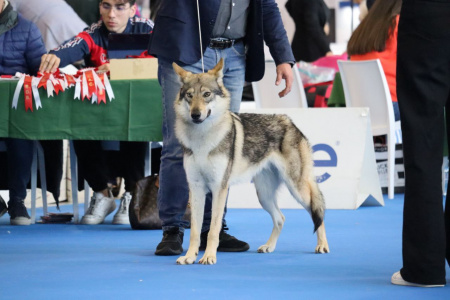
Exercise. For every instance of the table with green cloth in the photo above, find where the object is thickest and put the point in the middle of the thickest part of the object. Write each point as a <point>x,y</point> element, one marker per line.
<point>135,114</point>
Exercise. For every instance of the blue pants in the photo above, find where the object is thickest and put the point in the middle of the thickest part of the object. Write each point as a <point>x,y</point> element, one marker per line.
<point>173,190</point>
<point>20,157</point>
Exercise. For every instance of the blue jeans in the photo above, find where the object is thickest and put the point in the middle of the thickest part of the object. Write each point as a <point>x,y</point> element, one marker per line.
<point>173,192</point>
<point>396,111</point>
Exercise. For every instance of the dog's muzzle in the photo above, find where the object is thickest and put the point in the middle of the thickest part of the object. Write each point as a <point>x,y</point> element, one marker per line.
<point>196,117</point>
<point>222,43</point>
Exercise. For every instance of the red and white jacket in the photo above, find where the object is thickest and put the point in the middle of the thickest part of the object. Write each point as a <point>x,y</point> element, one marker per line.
<point>92,43</point>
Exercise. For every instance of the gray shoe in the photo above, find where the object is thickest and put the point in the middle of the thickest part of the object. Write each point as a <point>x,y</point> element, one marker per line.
<point>18,213</point>
<point>99,208</point>
<point>121,216</point>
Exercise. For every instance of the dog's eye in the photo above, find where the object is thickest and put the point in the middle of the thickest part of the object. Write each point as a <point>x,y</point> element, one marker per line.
<point>189,95</point>
<point>207,94</point>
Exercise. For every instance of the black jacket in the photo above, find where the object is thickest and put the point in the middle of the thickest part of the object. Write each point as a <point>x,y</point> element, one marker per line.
<point>310,41</point>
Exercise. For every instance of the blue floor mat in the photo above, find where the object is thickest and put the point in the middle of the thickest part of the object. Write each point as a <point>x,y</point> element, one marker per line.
<point>68,261</point>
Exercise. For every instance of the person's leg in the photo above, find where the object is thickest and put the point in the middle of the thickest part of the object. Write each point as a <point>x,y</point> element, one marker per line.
<point>423,85</point>
<point>396,111</point>
<point>20,157</point>
<point>233,79</point>
<point>53,154</point>
<point>132,159</point>
<point>132,164</point>
<point>173,191</point>
<point>92,164</point>
<point>447,202</point>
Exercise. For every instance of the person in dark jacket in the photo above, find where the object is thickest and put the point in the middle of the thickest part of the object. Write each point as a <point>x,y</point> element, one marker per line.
<point>310,41</point>
<point>22,47</point>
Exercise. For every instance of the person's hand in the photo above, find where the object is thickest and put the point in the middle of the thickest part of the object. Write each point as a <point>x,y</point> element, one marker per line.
<point>103,68</point>
<point>49,63</point>
<point>329,53</point>
<point>284,71</point>
<point>326,28</point>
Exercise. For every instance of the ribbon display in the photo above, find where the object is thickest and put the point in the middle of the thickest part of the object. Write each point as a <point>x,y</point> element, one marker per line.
<point>87,82</point>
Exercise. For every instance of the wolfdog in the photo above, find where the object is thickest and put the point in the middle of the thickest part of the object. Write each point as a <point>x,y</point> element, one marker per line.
<point>222,148</point>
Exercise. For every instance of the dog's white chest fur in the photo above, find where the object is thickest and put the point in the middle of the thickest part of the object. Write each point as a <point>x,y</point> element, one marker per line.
<point>201,161</point>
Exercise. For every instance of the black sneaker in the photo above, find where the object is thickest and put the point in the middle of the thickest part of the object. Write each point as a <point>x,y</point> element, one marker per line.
<point>227,243</point>
<point>172,243</point>
<point>18,213</point>
<point>3,207</point>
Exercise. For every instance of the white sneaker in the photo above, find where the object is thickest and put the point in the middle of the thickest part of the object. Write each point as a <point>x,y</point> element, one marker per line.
<point>121,216</point>
<point>398,280</point>
<point>99,208</point>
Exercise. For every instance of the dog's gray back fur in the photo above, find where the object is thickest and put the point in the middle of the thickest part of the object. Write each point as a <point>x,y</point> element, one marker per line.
<point>264,134</point>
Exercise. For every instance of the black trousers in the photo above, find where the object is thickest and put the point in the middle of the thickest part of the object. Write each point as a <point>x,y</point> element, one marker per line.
<point>98,170</point>
<point>19,160</point>
<point>423,87</point>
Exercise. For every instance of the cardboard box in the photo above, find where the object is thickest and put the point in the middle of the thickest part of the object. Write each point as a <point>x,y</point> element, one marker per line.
<point>133,68</point>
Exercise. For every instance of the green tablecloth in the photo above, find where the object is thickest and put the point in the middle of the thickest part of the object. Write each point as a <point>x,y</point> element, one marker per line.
<point>135,114</point>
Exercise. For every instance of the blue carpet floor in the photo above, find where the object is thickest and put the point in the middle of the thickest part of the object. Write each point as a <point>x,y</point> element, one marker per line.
<point>67,261</point>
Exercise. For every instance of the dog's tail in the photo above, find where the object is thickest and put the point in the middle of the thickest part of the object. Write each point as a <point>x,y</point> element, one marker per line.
<point>309,185</point>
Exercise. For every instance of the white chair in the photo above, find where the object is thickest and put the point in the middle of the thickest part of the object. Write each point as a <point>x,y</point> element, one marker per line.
<point>266,92</point>
<point>365,85</point>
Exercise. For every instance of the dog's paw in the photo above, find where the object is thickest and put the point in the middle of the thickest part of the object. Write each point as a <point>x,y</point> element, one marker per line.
<point>266,249</point>
<point>208,260</point>
<point>186,260</point>
<point>322,248</point>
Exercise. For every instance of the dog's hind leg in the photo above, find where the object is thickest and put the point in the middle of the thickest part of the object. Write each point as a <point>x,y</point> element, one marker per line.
<point>197,201</point>
<point>305,190</point>
<point>267,183</point>
<point>218,206</point>
<point>310,189</point>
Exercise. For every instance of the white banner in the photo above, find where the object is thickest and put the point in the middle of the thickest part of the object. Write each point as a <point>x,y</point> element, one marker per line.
<point>344,157</point>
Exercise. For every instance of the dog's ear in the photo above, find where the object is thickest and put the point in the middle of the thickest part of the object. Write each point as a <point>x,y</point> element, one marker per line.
<point>180,71</point>
<point>217,70</point>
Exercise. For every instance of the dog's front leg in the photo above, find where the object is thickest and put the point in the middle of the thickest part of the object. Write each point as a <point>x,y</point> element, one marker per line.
<point>322,243</point>
<point>218,206</point>
<point>197,200</point>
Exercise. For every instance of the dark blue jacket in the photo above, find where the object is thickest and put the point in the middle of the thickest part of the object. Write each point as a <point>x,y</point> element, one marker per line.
<point>21,46</point>
<point>176,35</point>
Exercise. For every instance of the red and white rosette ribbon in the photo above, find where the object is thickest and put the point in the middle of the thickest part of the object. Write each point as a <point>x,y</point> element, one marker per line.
<point>18,89</point>
<point>92,86</point>
<point>69,80</point>
<point>34,86</point>
<point>108,87</point>
<point>28,93</point>
<point>30,86</point>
